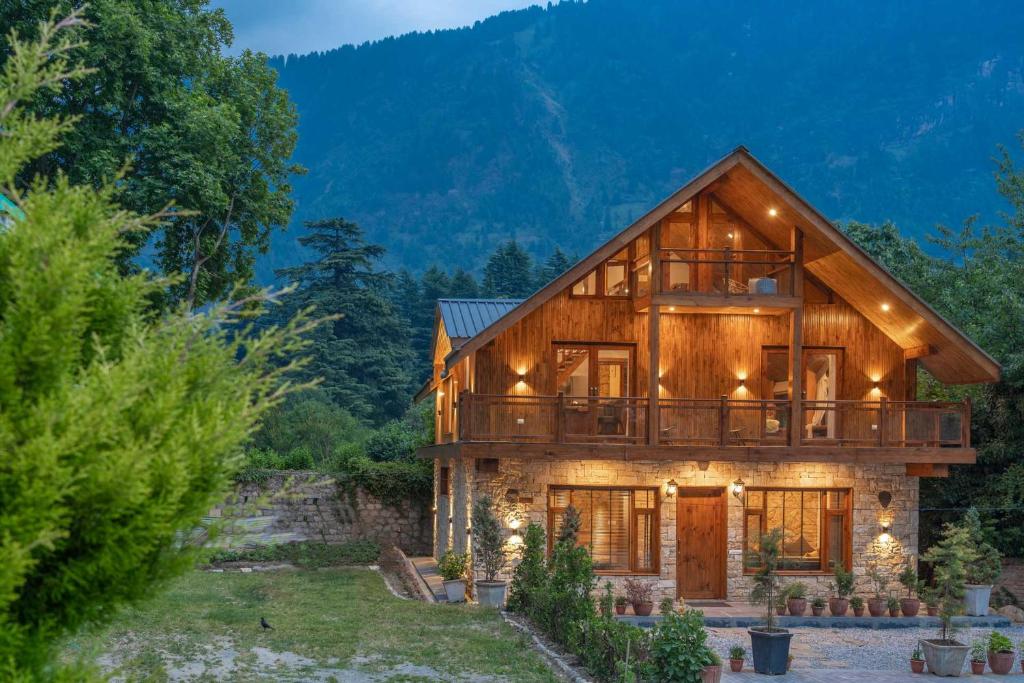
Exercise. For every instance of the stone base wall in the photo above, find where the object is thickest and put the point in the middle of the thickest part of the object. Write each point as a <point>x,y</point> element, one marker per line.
<point>1012,578</point>
<point>530,479</point>
<point>306,506</point>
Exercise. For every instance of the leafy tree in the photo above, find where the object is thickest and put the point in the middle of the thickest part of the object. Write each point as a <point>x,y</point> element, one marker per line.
<point>309,421</point>
<point>509,272</point>
<point>399,439</point>
<point>211,133</point>
<point>364,356</point>
<point>118,429</point>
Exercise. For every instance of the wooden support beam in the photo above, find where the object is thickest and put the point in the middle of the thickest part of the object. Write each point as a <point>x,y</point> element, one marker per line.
<point>918,352</point>
<point>927,469</point>
<point>654,343</point>
<point>796,342</point>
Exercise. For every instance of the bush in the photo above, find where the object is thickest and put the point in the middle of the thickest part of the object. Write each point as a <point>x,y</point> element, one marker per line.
<point>488,543</point>
<point>796,590</point>
<point>304,554</point>
<point>843,582</point>
<point>638,591</point>
<point>609,648</point>
<point>679,648</point>
<point>997,642</point>
<point>987,566</point>
<point>908,579</point>
<point>310,421</point>
<point>737,652</point>
<point>452,565</point>
<point>530,575</point>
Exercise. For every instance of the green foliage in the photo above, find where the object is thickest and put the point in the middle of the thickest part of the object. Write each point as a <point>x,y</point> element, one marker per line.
<point>530,575</point>
<point>394,483</point>
<point>987,565</point>
<point>606,603</point>
<point>857,602</point>
<point>613,650</point>
<point>308,421</point>
<point>796,590</point>
<point>211,132</point>
<point>917,655</point>
<point>949,558</point>
<point>567,603</point>
<point>997,642</point>
<point>819,602</point>
<point>452,565</point>
<point>119,429</point>
<point>842,584</point>
<point>489,551</point>
<point>638,591</point>
<point>979,650</point>
<point>878,579</point>
<point>737,652</point>
<point>509,273</point>
<point>766,580</point>
<point>908,578</point>
<point>679,649</point>
<point>303,554</point>
<point>399,439</point>
<point>892,603</point>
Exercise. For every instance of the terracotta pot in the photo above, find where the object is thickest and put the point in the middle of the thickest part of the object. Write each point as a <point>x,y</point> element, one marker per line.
<point>780,610</point>
<point>797,606</point>
<point>643,609</point>
<point>1000,662</point>
<point>736,665</point>
<point>894,612</point>
<point>858,611</point>
<point>933,611</point>
<point>837,606</point>
<point>620,609</point>
<point>977,667</point>
<point>910,606</point>
<point>876,606</point>
<point>712,673</point>
<point>818,611</point>
<point>917,666</point>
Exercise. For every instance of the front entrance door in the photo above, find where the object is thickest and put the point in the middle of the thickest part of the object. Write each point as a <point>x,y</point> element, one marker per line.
<point>700,543</point>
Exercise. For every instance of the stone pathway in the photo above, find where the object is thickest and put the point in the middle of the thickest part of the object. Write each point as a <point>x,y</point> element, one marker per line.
<point>426,567</point>
<point>856,676</point>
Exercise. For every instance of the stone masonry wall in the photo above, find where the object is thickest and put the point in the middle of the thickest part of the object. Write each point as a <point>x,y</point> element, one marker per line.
<point>530,478</point>
<point>307,506</point>
<point>1012,578</point>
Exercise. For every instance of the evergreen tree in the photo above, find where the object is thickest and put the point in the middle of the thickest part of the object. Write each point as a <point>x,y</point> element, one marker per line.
<point>464,285</point>
<point>434,285</point>
<point>509,272</point>
<point>364,357</point>
<point>555,265</point>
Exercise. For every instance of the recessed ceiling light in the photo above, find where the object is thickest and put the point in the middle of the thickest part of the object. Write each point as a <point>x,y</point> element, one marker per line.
<point>729,235</point>
<point>671,308</point>
<point>757,310</point>
<point>773,213</point>
<point>885,307</point>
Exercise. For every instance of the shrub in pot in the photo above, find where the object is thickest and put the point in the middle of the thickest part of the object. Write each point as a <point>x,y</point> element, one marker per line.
<point>876,604</point>
<point>931,601</point>
<point>489,553</point>
<point>818,606</point>
<point>736,656</point>
<point>917,660</point>
<point>452,568</point>
<point>945,655</point>
<point>983,571</point>
<point>910,605</point>
<point>769,644</point>
<point>796,598</point>
<point>857,603</point>
<point>620,604</point>
<point>679,650</point>
<point>842,589</point>
<point>979,652</point>
<point>640,594</point>
<point>1000,653</point>
<point>893,604</point>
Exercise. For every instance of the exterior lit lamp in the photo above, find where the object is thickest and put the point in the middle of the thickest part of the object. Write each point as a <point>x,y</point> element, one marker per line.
<point>737,488</point>
<point>885,536</point>
<point>515,523</point>
<point>671,487</point>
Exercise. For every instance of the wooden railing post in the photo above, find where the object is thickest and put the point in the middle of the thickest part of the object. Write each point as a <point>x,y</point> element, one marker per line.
<point>728,261</point>
<point>723,419</point>
<point>465,415</point>
<point>883,410</point>
<point>965,423</point>
<point>560,418</point>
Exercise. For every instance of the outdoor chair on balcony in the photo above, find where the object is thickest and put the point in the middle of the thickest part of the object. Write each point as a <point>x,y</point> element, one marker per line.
<point>609,421</point>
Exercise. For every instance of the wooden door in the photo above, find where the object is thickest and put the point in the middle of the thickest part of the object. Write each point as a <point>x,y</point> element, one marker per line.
<point>700,543</point>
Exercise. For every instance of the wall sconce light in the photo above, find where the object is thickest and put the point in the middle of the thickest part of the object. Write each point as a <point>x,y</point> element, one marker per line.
<point>737,488</point>
<point>450,520</point>
<point>522,377</point>
<point>515,539</point>
<point>515,523</point>
<point>671,487</point>
<point>743,382</point>
<point>469,531</point>
<point>885,536</point>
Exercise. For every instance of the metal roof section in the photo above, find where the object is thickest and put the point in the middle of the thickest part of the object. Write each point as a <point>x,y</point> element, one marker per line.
<point>465,318</point>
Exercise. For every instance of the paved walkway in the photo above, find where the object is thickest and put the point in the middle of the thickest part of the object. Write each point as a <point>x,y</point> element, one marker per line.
<point>427,569</point>
<point>858,676</point>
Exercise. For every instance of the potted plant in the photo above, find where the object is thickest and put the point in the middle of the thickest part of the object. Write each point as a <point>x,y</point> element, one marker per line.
<point>983,571</point>
<point>641,595</point>
<point>712,671</point>
<point>945,655</point>
<point>857,603</point>
<point>620,604</point>
<point>769,644</point>
<point>452,568</point>
<point>796,598</point>
<point>818,606</point>
<point>876,604</point>
<point>917,660</point>
<point>910,605</point>
<point>737,654</point>
<point>780,604</point>
<point>1000,653</point>
<point>489,553</point>
<point>931,601</point>
<point>842,588</point>
<point>679,650</point>
<point>979,651</point>
<point>893,604</point>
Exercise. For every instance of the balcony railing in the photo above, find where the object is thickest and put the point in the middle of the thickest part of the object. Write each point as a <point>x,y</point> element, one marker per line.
<point>727,272</point>
<point>721,422</point>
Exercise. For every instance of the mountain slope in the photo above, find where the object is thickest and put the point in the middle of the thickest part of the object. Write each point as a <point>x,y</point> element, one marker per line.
<point>561,125</point>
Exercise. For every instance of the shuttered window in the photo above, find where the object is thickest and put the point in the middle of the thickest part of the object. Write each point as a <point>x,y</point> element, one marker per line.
<point>815,526</point>
<point>617,526</point>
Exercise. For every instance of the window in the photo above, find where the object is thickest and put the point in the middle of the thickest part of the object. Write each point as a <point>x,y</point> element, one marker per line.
<point>815,527</point>
<point>617,526</point>
<point>610,279</point>
<point>587,286</point>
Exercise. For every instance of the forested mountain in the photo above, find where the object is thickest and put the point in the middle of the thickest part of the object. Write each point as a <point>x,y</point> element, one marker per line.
<point>558,125</point>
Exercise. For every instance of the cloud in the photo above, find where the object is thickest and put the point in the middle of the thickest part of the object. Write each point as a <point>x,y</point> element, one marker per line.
<point>301,26</point>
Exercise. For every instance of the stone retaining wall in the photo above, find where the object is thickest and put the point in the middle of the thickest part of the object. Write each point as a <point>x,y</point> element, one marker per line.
<point>1012,578</point>
<point>307,506</point>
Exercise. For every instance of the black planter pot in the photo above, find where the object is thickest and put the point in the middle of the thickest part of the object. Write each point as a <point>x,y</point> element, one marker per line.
<point>770,651</point>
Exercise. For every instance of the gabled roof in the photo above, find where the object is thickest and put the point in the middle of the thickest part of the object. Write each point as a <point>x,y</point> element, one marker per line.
<point>464,318</point>
<point>750,189</point>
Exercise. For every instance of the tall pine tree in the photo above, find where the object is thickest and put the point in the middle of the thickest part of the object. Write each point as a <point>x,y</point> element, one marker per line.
<point>464,285</point>
<point>509,272</point>
<point>365,357</point>
<point>555,265</point>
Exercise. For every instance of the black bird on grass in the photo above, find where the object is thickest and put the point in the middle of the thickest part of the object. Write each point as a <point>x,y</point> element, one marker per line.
<point>265,625</point>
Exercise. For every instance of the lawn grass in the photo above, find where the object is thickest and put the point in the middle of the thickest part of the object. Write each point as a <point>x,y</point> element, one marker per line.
<point>329,624</point>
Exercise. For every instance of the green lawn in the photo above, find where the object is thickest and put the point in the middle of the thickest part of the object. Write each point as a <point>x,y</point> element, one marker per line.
<point>329,624</point>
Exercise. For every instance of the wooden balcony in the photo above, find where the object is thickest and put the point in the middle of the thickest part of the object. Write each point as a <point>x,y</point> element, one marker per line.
<point>723,428</point>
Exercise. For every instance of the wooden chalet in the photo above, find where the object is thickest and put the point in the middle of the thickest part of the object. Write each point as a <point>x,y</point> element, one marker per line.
<point>728,364</point>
